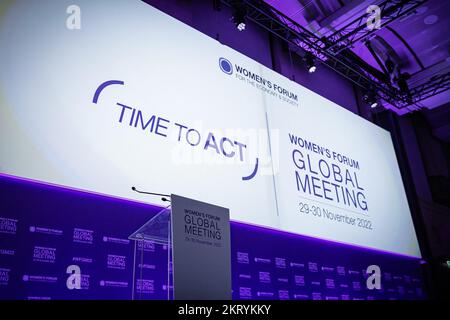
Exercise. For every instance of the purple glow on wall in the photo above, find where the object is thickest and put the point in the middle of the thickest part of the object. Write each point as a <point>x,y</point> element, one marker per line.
<point>158,208</point>
<point>76,190</point>
<point>56,227</point>
<point>252,227</point>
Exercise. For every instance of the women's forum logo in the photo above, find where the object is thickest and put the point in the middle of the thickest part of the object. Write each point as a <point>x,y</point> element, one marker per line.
<point>226,66</point>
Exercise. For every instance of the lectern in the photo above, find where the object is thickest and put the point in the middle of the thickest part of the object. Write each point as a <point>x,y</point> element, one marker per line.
<point>197,237</point>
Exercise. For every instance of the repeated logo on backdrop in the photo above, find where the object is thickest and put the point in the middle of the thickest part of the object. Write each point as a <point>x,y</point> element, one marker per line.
<point>301,268</point>
<point>41,255</point>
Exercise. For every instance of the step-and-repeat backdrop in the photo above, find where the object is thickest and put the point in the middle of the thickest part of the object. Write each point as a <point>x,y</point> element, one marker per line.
<point>39,251</point>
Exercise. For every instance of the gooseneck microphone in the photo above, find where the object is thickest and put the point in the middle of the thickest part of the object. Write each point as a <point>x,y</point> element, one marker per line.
<point>165,197</point>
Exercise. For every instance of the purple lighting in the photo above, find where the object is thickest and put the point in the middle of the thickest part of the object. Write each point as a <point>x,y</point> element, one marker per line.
<point>249,226</point>
<point>329,242</point>
<point>50,185</point>
<point>91,230</point>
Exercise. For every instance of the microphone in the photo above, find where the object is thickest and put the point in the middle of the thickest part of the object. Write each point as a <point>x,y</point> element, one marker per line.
<point>152,193</point>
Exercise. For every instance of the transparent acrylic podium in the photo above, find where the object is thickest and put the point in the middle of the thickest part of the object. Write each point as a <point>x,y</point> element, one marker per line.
<point>155,231</point>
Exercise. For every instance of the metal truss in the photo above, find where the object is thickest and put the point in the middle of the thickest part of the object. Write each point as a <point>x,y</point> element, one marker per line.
<point>357,29</point>
<point>293,33</point>
<point>301,39</point>
<point>435,85</point>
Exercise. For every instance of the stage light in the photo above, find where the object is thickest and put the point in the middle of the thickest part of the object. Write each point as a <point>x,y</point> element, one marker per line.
<point>371,99</point>
<point>239,18</point>
<point>310,62</point>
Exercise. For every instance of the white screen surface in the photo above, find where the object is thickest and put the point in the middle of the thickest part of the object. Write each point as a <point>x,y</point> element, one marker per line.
<point>170,79</point>
<point>358,199</point>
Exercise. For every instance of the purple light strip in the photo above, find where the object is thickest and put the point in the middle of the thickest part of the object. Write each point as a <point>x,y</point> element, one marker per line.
<point>326,241</point>
<point>237,222</point>
<point>77,190</point>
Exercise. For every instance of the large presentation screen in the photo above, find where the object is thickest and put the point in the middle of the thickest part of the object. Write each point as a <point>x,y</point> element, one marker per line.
<point>102,96</point>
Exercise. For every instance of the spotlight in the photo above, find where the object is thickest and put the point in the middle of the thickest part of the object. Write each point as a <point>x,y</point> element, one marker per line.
<point>310,62</point>
<point>371,99</point>
<point>241,26</point>
<point>239,18</point>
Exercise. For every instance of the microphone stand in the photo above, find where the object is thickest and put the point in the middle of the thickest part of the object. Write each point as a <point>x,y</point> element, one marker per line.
<point>164,197</point>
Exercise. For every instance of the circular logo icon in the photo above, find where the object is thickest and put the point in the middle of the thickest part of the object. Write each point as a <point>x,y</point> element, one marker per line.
<point>225,66</point>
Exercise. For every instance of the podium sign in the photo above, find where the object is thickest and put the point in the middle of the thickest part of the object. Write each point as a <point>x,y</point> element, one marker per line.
<point>201,250</point>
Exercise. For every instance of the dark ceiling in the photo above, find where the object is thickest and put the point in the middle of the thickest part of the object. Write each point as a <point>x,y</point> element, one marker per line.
<point>418,42</point>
